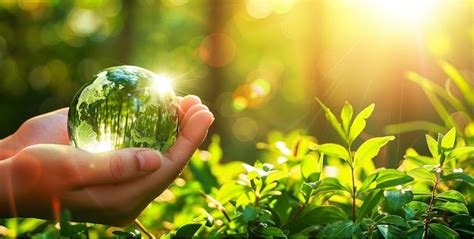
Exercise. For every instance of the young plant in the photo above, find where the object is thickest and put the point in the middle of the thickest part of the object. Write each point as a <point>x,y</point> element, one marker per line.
<point>349,130</point>
<point>439,211</point>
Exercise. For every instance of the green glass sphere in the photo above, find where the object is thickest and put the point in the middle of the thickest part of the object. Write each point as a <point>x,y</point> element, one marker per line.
<point>124,106</point>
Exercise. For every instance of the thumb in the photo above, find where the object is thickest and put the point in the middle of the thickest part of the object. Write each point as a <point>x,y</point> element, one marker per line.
<point>118,165</point>
<point>82,168</point>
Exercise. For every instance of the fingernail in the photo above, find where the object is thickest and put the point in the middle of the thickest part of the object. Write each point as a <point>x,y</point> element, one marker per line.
<point>149,160</point>
<point>196,97</point>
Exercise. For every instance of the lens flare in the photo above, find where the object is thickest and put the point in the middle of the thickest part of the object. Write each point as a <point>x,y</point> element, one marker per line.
<point>162,84</point>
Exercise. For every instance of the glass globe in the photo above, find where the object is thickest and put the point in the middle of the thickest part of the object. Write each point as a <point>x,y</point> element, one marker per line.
<point>124,106</point>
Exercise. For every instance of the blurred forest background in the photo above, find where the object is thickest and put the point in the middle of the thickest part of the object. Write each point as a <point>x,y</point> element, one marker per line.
<point>258,64</point>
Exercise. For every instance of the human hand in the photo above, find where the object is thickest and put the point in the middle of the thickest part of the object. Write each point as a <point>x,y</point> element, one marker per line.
<point>49,128</point>
<point>111,188</point>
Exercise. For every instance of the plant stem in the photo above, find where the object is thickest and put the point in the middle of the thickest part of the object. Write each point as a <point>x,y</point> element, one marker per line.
<point>219,205</point>
<point>143,229</point>
<point>430,208</point>
<point>354,189</point>
<point>295,216</point>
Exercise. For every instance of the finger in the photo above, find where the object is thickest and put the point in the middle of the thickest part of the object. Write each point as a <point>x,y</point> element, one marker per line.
<point>54,123</point>
<point>190,137</point>
<point>181,113</point>
<point>139,192</point>
<point>119,165</point>
<point>63,111</point>
<point>189,101</point>
<point>79,168</point>
<point>190,113</point>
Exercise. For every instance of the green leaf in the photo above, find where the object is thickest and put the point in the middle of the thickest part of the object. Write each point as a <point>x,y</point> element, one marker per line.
<point>394,220</point>
<point>330,184</point>
<point>395,200</point>
<point>271,231</point>
<point>215,150</point>
<point>358,125</point>
<point>306,231</point>
<point>333,120</point>
<point>415,209</point>
<point>411,126</point>
<point>317,216</point>
<point>449,139</point>
<point>416,232</point>
<point>201,172</point>
<point>50,233</point>
<point>391,232</point>
<point>432,146</point>
<point>436,89</point>
<point>346,117</point>
<point>421,160</point>
<point>68,229</point>
<point>370,180</point>
<point>442,231</point>
<point>432,97</point>
<point>462,84</point>
<point>452,196</point>
<point>306,189</point>
<point>370,148</point>
<point>459,176</point>
<point>282,208</point>
<point>422,173</point>
<point>188,230</point>
<point>324,215</point>
<point>412,156</point>
<point>275,175</point>
<point>311,168</point>
<point>250,213</point>
<point>230,191</point>
<point>28,225</point>
<point>454,207</point>
<point>391,177</point>
<point>370,204</point>
<point>333,150</point>
<point>254,172</point>
<point>341,229</point>
<point>460,152</point>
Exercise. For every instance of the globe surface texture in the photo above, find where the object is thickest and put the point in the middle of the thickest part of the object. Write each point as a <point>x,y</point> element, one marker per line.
<point>124,106</point>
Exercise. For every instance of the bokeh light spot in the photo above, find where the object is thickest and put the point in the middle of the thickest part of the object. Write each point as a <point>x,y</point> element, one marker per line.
<point>84,22</point>
<point>245,129</point>
<point>217,50</point>
<point>251,95</point>
<point>259,8</point>
<point>239,103</point>
<point>283,6</point>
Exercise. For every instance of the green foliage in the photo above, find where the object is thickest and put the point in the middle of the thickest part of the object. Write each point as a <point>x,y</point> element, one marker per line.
<point>302,188</point>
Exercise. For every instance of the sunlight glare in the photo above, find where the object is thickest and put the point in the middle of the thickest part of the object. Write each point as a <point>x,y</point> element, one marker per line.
<point>404,11</point>
<point>102,146</point>
<point>162,84</point>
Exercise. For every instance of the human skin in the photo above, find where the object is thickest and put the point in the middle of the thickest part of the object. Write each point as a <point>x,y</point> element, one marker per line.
<point>40,173</point>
